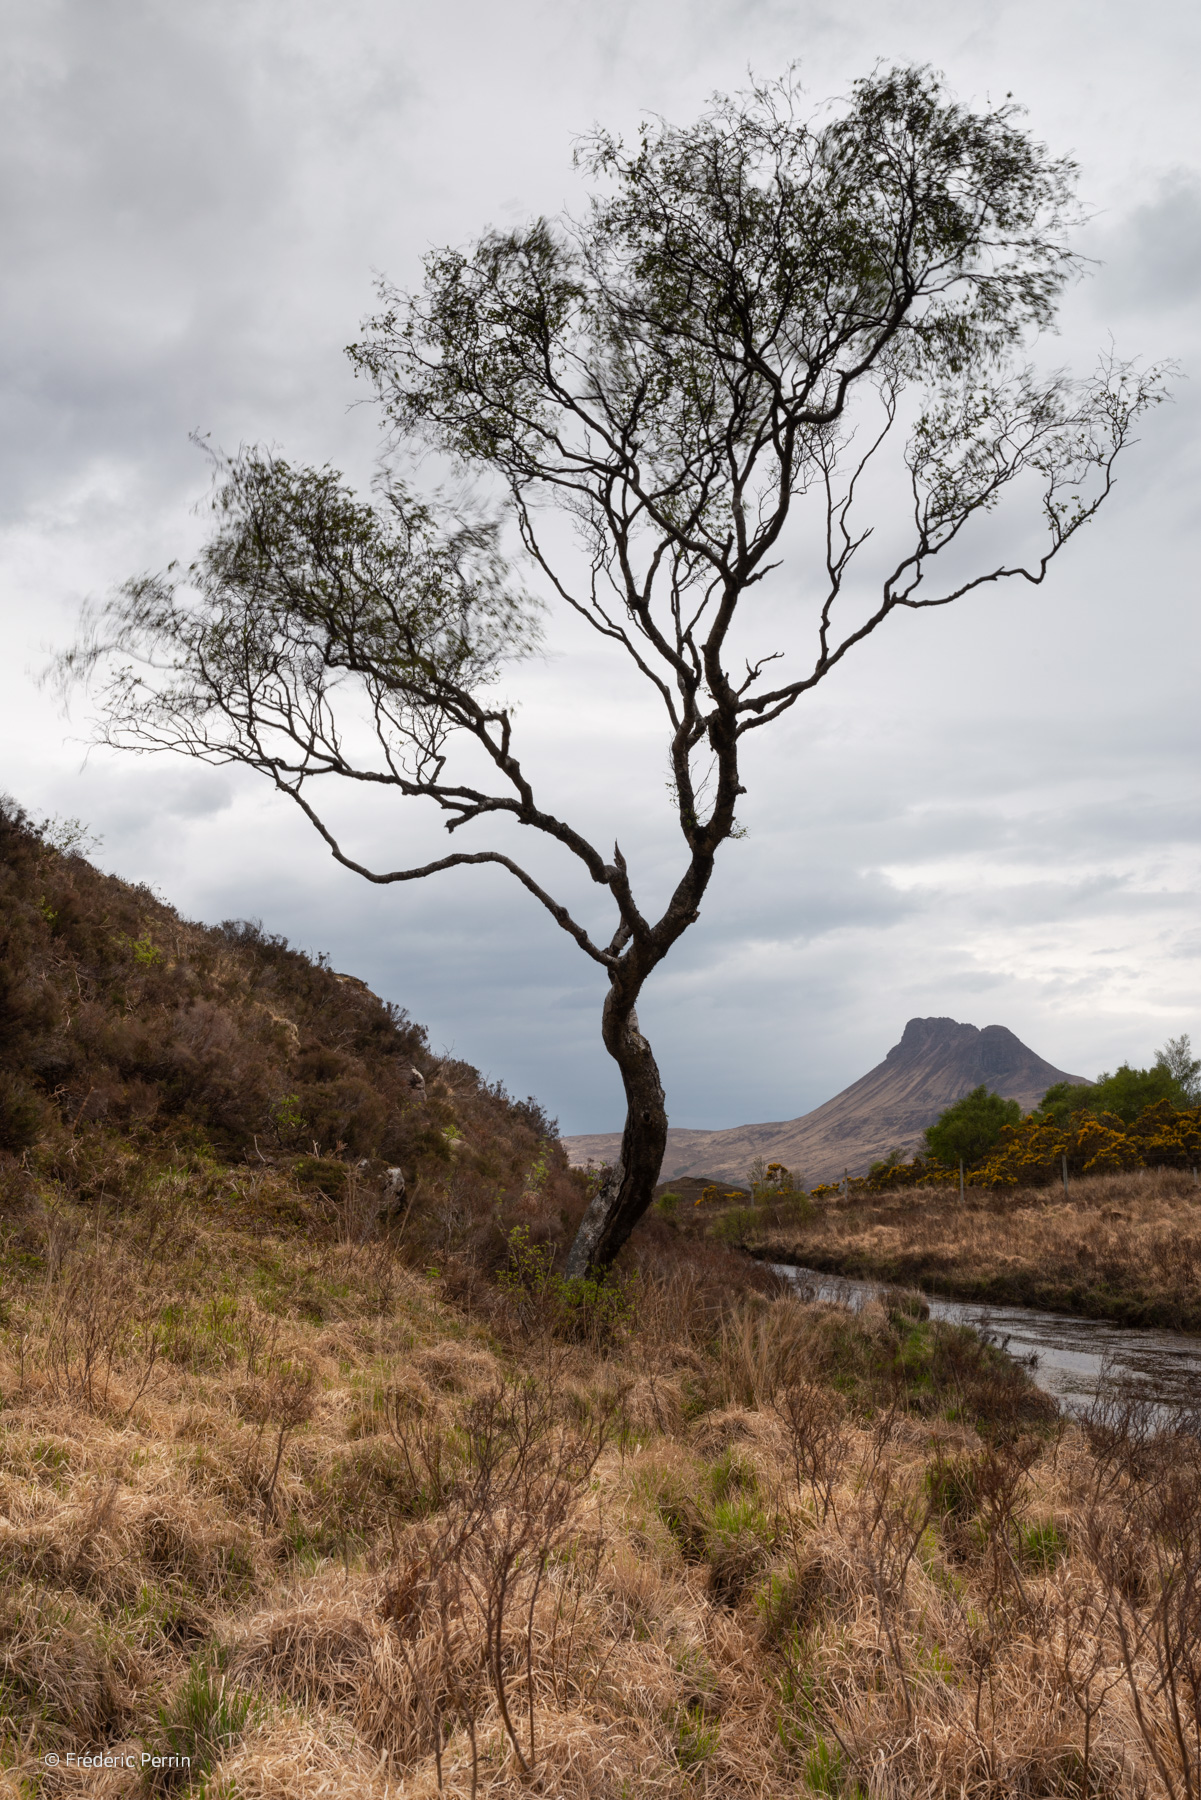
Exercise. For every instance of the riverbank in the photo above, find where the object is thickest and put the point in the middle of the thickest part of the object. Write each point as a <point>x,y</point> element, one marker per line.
<point>1124,1248</point>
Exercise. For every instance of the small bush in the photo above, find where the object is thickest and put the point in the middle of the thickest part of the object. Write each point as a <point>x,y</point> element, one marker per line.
<point>735,1226</point>
<point>580,1309</point>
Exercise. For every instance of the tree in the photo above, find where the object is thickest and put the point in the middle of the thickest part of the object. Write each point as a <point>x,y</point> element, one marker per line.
<point>1184,1068</point>
<point>1126,1093</point>
<point>753,310</point>
<point>1063,1098</point>
<point>967,1131</point>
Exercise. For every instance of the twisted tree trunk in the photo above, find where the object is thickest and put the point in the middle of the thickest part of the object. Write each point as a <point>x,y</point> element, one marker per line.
<point>627,1187</point>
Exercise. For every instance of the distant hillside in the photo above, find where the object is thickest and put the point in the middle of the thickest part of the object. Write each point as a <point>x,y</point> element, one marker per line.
<point>936,1062</point>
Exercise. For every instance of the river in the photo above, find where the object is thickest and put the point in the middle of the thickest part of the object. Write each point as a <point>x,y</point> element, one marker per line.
<point>1073,1359</point>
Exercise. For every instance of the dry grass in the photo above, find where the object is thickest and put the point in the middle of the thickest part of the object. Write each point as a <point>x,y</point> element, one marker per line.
<point>310,1524</point>
<point>1123,1247</point>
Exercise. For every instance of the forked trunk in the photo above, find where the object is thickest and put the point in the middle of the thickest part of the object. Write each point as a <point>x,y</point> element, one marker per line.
<point>628,1186</point>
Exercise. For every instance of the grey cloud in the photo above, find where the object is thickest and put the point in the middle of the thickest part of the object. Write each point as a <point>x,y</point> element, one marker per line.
<point>196,199</point>
<point>1151,258</point>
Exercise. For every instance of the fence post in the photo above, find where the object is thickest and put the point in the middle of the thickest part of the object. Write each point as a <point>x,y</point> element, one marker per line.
<point>961,1180</point>
<point>1065,1175</point>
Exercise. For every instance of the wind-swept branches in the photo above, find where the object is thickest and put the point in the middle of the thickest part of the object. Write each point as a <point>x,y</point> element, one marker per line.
<point>731,288</point>
<point>320,637</point>
<point>678,368</point>
<point>970,444</point>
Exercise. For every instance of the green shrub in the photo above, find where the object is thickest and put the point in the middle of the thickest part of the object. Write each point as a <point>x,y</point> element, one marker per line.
<point>735,1226</point>
<point>594,1311</point>
<point>1126,1093</point>
<point>579,1308</point>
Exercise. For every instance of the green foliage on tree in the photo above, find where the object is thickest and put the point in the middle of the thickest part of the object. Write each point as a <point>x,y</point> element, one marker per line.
<point>1126,1093</point>
<point>1063,1099</point>
<point>968,1130</point>
<point>1178,1059</point>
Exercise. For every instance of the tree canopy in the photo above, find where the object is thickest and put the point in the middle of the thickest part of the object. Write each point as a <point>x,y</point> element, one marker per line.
<point>1184,1068</point>
<point>1126,1094</point>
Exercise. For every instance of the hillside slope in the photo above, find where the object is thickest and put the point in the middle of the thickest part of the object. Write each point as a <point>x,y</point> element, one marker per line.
<point>936,1062</point>
<point>135,1045</point>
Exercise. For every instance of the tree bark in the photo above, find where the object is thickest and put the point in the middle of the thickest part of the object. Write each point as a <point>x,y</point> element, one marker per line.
<point>627,1188</point>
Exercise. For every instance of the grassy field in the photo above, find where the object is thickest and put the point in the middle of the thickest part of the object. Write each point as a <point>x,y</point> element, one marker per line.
<point>1121,1247</point>
<point>323,1524</point>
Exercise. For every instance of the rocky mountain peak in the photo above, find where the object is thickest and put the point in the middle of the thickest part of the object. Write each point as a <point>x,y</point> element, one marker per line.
<point>935,1062</point>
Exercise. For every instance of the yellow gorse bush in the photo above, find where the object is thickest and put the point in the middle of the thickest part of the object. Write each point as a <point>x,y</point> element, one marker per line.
<point>1032,1153</point>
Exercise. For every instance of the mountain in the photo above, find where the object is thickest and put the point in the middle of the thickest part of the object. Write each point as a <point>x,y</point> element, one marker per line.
<point>936,1062</point>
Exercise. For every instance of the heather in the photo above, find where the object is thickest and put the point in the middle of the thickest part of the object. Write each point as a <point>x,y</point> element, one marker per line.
<point>137,1047</point>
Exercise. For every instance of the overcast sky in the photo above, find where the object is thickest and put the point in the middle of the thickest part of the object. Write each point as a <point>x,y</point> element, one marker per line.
<point>992,813</point>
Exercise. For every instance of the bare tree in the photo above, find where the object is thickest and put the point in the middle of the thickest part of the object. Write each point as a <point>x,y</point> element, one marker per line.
<point>753,310</point>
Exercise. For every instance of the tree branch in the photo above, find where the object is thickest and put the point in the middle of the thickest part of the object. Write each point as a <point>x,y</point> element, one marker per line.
<point>458,859</point>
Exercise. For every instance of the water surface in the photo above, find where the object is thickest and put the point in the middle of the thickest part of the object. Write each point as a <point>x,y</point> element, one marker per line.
<point>1073,1359</point>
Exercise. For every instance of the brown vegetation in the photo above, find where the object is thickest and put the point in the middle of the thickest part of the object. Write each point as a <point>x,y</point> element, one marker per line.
<point>137,1048</point>
<point>304,1494</point>
<point>306,1521</point>
<point>1125,1247</point>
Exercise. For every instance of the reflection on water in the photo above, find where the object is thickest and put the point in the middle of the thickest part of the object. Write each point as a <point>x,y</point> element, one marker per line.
<point>1073,1359</point>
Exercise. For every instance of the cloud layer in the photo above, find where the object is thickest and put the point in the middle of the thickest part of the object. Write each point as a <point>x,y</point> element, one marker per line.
<point>992,813</point>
